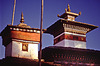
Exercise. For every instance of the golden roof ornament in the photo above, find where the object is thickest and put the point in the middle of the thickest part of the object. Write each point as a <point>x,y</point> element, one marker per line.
<point>68,8</point>
<point>68,12</point>
<point>58,15</point>
<point>22,24</point>
<point>65,10</point>
<point>22,18</point>
<point>80,13</point>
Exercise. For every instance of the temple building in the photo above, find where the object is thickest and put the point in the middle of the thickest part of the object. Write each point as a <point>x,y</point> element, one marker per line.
<point>21,40</point>
<point>69,49</point>
<point>21,45</point>
<point>69,33</point>
<point>70,42</point>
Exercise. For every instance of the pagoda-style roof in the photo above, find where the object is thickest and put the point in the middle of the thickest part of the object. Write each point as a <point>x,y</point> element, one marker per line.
<point>60,25</point>
<point>67,23</point>
<point>21,27</point>
<point>20,33</point>
<point>18,28</point>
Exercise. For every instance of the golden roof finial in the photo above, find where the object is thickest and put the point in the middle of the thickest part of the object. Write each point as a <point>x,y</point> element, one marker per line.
<point>23,25</point>
<point>22,18</point>
<point>80,13</point>
<point>58,15</point>
<point>68,8</point>
<point>65,10</point>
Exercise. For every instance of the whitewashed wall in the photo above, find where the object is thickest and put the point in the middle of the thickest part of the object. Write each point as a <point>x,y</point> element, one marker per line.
<point>71,43</point>
<point>16,48</point>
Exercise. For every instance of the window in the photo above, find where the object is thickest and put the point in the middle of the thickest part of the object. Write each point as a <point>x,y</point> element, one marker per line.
<point>24,46</point>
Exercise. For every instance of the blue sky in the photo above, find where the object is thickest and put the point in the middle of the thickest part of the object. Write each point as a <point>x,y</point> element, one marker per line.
<point>32,10</point>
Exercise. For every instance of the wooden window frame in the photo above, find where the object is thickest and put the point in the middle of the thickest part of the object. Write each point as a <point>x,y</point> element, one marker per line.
<point>25,47</point>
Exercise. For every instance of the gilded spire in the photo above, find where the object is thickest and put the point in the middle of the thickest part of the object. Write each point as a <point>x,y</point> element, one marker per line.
<point>22,24</point>
<point>68,8</point>
<point>22,18</point>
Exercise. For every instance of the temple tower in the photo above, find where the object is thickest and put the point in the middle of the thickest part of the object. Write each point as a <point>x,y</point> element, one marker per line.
<point>21,40</point>
<point>69,33</point>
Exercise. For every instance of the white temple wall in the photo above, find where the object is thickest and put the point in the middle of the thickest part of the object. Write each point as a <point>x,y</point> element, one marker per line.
<point>71,43</point>
<point>16,48</point>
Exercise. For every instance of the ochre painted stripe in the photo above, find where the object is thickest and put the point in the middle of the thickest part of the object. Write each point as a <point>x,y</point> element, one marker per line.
<point>25,36</point>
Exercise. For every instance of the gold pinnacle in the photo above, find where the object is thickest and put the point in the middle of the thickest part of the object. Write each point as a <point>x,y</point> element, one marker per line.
<point>22,18</point>
<point>68,8</point>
